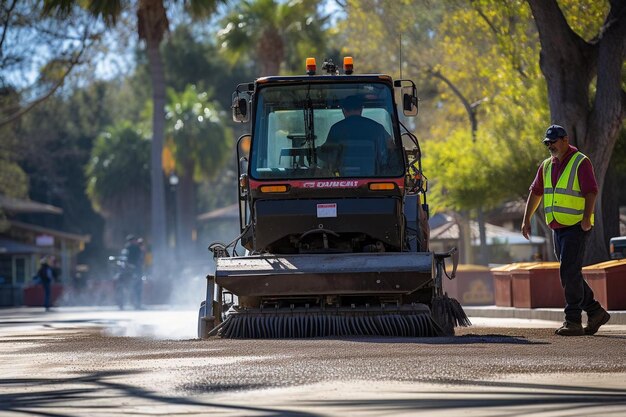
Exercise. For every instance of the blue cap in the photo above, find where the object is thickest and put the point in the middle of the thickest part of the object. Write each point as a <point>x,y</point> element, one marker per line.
<point>554,132</point>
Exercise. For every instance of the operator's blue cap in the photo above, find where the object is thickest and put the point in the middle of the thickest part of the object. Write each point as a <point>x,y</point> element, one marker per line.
<point>352,102</point>
<point>554,132</point>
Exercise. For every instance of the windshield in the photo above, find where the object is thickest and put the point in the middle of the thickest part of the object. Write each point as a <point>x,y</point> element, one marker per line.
<point>325,130</point>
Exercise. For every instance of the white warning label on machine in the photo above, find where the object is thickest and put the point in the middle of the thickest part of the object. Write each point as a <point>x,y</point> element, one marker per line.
<point>327,210</point>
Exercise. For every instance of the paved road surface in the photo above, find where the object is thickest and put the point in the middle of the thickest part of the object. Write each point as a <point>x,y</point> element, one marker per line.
<point>80,362</point>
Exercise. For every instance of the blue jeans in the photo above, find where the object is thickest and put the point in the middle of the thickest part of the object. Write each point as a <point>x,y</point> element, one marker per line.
<point>569,248</point>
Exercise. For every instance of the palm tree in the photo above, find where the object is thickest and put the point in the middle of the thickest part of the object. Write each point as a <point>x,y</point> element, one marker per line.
<point>269,29</point>
<point>117,174</point>
<point>152,25</point>
<point>199,144</point>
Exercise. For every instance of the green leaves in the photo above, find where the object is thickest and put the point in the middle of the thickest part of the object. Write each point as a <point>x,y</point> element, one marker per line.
<point>196,135</point>
<point>476,62</point>
<point>108,10</point>
<point>13,180</point>
<point>119,164</point>
<point>273,33</point>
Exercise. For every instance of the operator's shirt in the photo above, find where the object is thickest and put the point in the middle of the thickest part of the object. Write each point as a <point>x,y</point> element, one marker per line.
<point>356,128</point>
<point>586,178</point>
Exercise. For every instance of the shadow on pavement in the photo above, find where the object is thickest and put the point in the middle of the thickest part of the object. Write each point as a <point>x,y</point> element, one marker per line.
<point>456,340</point>
<point>51,398</point>
<point>609,336</point>
<point>101,392</point>
<point>508,395</point>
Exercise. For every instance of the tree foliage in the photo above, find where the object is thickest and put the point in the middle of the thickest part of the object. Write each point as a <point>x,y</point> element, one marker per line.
<point>152,26</point>
<point>199,143</point>
<point>482,99</point>
<point>118,178</point>
<point>38,54</point>
<point>477,65</point>
<point>13,180</point>
<point>273,33</point>
<point>119,165</point>
<point>196,134</point>
<point>489,52</point>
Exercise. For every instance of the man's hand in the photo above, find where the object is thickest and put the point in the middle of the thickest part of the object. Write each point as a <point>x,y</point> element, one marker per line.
<point>531,206</point>
<point>590,201</point>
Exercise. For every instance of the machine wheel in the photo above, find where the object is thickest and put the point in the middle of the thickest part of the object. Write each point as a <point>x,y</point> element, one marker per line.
<point>205,324</point>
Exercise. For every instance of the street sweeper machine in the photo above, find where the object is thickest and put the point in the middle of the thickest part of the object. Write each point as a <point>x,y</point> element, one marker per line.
<point>333,215</point>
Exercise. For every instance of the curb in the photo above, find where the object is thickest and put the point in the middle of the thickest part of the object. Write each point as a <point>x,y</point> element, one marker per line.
<point>551,314</point>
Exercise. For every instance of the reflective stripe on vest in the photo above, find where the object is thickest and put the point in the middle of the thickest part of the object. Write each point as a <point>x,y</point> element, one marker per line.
<point>564,202</point>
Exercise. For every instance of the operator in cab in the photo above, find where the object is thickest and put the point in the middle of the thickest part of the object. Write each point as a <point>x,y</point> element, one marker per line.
<point>357,145</point>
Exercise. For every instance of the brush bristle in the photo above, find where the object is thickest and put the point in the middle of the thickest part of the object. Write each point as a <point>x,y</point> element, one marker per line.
<point>449,313</point>
<point>251,325</point>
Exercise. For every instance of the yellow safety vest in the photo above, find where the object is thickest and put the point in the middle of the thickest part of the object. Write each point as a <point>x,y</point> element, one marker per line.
<point>564,203</point>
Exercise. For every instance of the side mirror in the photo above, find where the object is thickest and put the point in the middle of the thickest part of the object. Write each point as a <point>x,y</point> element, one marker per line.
<point>240,108</point>
<point>409,100</point>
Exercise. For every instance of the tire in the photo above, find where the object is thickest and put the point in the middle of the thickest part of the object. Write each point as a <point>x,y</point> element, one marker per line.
<point>203,331</point>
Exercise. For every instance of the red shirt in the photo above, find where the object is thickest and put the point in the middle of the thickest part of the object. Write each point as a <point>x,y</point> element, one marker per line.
<point>586,178</point>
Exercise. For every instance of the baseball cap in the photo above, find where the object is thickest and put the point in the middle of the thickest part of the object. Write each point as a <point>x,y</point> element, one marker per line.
<point>352,102</point>
<point>553,133</point>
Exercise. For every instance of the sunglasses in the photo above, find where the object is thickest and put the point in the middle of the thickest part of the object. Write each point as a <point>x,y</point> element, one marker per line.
<point>550,142</point>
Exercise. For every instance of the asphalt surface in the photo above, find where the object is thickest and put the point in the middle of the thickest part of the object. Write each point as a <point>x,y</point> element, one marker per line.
<point>78,362</point>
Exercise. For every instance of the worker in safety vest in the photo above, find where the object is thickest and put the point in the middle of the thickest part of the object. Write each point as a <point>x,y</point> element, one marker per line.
<point>568,186</point>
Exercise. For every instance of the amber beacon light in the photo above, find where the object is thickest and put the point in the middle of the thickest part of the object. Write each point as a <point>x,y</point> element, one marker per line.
<point>311,66</point>
<point>348,65</point>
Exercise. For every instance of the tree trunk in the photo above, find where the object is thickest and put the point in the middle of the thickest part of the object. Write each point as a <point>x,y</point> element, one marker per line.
<point>569,64</point>
<point>270,52</point>
<point>156,174</point>
<point>463,223</point>
<point>152,25</point>
<point>484,257</point>
<point>610,203</point>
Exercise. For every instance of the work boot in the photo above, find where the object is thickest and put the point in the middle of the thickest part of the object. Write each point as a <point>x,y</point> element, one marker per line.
<point>569,328</point>
<point>595,320</point>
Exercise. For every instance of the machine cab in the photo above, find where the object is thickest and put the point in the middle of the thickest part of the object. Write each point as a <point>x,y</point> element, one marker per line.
<point>324,167</point>
<point>325,130</point>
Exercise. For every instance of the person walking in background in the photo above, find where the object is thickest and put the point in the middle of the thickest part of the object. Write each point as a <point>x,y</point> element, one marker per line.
<point>46,277</point>
<point>567,183</point>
